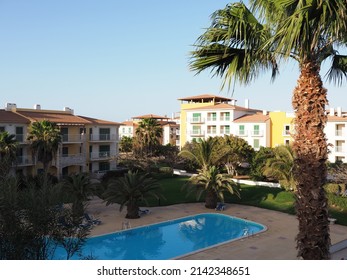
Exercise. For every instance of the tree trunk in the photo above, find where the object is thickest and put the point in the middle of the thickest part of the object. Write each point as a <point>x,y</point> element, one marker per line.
<point>211,200</point>
<point>310,151</point>
<point>132,210</point>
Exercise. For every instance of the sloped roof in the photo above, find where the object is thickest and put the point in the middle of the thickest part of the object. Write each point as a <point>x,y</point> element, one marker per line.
<point>151,116</point>
<point>99,122</point>
<point>205,97</point>
<point>11,117</point>
<point>256,118</point>
<point>56,117</point>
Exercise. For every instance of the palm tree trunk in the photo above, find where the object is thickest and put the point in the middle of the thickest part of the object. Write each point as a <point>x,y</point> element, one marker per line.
<point>310,150</point>
<point>211,200</point>
<point>132,210</point>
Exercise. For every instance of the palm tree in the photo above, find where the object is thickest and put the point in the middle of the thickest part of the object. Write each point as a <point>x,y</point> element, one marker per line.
<point>205,153</point>
<point>148,135</point>
<point>45,138</point>
<point>240,46</point>
<point>280,166</point>
<point>130,190</point>
<point>8,148</point>
<point>79,189</point>
<point>213,184</point>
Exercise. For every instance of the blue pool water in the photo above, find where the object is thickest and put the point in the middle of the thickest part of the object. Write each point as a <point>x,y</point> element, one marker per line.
<point>169,239</point>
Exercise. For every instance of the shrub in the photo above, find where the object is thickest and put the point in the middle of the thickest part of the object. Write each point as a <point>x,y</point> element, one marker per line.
<point>332,188</point>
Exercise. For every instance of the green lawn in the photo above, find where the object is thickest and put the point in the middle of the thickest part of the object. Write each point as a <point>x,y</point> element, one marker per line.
<point>173,189</point>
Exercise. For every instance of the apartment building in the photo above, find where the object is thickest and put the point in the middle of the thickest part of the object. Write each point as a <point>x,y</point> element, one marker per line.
<point>282,128</point>
<point>169,125</point>
<point>204,116</point>
<point>88,144</point>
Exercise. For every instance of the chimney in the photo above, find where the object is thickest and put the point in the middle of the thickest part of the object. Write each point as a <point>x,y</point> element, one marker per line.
<point>339,111</point>
<point>332,112</point>
<point>67,109</point>
<point>233,102</point>
<point>247,103</point>
<point>10,107</point>
<point>37,107</point>
<point>264,112</point>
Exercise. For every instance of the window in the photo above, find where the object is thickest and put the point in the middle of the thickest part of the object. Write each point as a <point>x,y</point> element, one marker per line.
<point>65,152</point>
<point>286,129</point>
<point>196,129</point>
<point>2,129</point>
<point>225,129</point>
<point>212,129</point>
<point>104,166</point>
<point>104,134</point>
<point>196,117</point>
<point>19,134</point>
<point>129,130</point>
<point>256,144</point>
<point>212,117</point>
<point>123,129</point>
<point>256,130</point>
<point>287,142</point>
<point>242,130</point>
<point>104,151</point>
<point>65,134</point>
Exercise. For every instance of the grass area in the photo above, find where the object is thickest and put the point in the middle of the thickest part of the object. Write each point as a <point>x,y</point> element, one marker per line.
<point>263,197</point>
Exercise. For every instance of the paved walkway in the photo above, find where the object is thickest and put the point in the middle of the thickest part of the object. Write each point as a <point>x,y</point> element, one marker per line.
<point>277,243</point>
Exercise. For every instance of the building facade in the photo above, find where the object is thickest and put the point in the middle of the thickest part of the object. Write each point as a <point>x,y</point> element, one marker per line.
<point>88,144</point>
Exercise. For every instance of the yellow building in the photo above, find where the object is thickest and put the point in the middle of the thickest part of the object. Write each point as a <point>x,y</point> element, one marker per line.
<point>88,144</point>
<point>281,128</point>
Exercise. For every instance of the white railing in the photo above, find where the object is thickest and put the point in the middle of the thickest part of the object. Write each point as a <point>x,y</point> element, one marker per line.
<point>101,155</point>
<point>211,119</point>
<point>197,120</point>
<point>242,133</point>
<point>222,118</point>
<point>103,137</point>
<point>72,159</point>
<point>73,138</point>
<point>339,149</point>
<point>197,133</point>
<point>339,133</point>
<point>259,133</point>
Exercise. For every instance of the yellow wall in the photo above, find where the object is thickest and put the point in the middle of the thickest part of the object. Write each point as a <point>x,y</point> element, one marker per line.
<point>183,118</point>
<point>278,122</point>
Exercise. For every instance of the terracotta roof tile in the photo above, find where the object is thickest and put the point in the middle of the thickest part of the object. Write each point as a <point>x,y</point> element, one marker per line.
<point>12,117</point>
<point>252,118</point>
<point>204,96</point>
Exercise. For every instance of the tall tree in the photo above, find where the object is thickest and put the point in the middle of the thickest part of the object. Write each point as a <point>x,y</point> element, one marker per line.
<point>148,136</point>
<point>242,42</point>
<point>45,138</point>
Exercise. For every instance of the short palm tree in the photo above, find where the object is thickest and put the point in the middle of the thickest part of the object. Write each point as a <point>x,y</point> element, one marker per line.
<point>79,189</point>
<point>130,190</point>
<point>205,153</point>
<point>213,184</point>
<point>242,42</point>
<point>280,167</point>
<point>45,138</point>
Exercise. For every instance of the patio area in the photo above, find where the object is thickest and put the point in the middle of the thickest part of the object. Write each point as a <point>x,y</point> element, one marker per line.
<point>277,243</point>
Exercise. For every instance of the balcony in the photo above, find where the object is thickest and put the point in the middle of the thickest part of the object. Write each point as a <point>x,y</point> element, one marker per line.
<point>257,133</point>
<point>197,133</point>
<point>340,149</point>
<point>73,138</point>
<point>24,161</point>
<point>197,120</point>
<point>242,133</point>
<point>224,119</point>
<point>72,159</point>
<point>102,155</point>
<point>211,119</point>
<point>103,138</point>
<point>340,133</point>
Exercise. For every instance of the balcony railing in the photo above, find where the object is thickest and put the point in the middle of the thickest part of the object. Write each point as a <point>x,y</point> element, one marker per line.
<point>23,161</point>
<point>340,149</point>
<point>103,137</point>
<point>339,133</point>
<point>73,138</point>
<point>101,155</point>
<point>257,133</point>
<point>72,159</point>
<point>197,120</point>
<point>242,133</point>
<point>223,118</point>
<point>197,133</point>
<point>211,119</point>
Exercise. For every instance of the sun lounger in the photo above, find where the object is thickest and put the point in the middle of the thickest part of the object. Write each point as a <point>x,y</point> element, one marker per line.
<point>91,220</point>
<point>145,211</point>
<point>220,207</point>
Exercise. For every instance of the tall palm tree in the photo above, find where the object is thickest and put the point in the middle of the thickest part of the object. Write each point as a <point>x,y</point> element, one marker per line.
<point>130,190</point>
<point>242,42</point>
<point>45,138</point>
<point>213,184</point>
<point>205,153</point>
<point>280,166</point>
<point>148,135</point>
<point>8,148</point>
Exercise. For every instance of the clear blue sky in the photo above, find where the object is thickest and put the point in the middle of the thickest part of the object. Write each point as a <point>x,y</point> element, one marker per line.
<point>115,59</point>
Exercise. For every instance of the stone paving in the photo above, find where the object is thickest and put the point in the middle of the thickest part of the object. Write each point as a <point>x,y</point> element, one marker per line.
<point>276,243</point>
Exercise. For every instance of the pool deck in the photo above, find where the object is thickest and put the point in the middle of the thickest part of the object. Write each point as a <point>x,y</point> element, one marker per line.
<point>276,243</point>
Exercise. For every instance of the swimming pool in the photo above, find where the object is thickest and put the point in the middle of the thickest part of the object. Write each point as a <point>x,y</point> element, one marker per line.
<point>168,240</point>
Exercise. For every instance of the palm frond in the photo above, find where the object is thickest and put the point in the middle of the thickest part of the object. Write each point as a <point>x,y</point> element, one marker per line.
<point>338,70</point>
